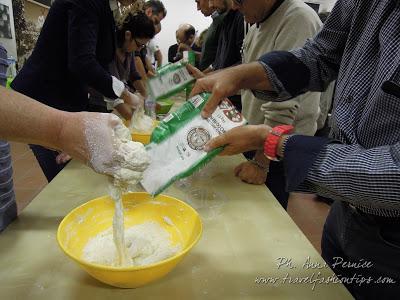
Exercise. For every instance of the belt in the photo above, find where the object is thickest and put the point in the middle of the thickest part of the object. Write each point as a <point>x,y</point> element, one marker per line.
<point>376,218</point>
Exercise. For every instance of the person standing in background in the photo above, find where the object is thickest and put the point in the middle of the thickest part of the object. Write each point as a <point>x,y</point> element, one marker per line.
<point>185,37</point>
<point>173,49</point>
<point>277,25</point>
<point>230,40</point>
<point>359,165</point>
<point>156,11</point>
<point>132,34</point>
<point>74,49</point>
<point>210,45</point>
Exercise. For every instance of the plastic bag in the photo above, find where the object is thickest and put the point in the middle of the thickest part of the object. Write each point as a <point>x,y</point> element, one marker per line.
<point>176,147</point>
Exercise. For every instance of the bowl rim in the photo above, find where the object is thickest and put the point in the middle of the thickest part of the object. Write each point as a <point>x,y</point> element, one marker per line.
<point>131,268</point>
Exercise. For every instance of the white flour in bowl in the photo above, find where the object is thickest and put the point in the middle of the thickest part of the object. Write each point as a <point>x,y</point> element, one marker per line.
<point>141,122</point>
<point>146,243</point>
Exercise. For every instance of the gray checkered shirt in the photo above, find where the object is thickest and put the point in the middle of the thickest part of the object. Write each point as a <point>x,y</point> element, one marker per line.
<point>358,46</point>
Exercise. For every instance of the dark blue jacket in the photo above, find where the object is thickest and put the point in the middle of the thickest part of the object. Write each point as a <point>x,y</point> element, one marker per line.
<point>73,51</point>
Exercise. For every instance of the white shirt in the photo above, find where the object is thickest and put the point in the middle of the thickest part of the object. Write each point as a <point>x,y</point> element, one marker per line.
<point>152,48</point>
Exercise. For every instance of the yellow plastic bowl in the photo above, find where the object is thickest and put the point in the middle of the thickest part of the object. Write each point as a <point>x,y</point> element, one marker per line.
<point>95,216</point>
<point>142,137</point>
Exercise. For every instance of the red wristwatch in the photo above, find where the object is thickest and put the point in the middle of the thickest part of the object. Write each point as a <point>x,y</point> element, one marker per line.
<point>272,140</point>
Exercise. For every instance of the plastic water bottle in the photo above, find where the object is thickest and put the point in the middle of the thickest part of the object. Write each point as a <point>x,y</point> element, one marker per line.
<point>150,107</point>
<point>12,71</point>
<point>189,57</point>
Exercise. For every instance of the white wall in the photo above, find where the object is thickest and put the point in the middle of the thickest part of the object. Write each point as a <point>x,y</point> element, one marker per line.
<point>185,11</point>
<point>10,44</point>
<point>178,12</point>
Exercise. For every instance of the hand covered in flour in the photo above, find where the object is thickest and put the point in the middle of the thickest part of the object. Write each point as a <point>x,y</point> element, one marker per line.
<point>104,143</point>
<point>134,101</point>
<point>251,173</point>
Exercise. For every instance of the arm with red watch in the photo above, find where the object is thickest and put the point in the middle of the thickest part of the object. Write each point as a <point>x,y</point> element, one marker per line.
<point>246,138</point>
<point>275,141</point>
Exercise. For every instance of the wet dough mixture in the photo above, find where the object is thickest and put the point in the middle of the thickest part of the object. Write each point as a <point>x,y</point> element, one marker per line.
<point>146,243</point>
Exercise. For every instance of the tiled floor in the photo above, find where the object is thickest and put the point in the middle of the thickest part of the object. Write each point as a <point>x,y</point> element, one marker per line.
<point>29,180</point>
<point>309,215</point>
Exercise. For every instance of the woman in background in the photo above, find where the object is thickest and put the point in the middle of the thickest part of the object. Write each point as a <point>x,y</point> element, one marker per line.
<point>133,34</point>
<point>74,49</point>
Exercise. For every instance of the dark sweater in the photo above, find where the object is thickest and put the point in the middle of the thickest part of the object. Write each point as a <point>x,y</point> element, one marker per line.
<point>74,49</point>
<point>230,41</point>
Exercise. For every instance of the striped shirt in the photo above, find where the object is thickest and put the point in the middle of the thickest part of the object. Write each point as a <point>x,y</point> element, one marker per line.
<point>359,46</point>
<point>8,206</point>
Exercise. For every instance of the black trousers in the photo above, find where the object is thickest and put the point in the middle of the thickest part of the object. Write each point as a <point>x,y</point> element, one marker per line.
<point>47,161</point>
<point>276,180</point>
<point>363,250</point>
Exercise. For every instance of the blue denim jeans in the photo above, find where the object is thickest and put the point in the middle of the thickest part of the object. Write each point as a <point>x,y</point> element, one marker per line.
<point>47,161</point>
<point>364,250</point>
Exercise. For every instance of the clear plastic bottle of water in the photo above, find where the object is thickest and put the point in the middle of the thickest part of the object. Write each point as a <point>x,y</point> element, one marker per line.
<point>150,107</point>
<point>12,71</point>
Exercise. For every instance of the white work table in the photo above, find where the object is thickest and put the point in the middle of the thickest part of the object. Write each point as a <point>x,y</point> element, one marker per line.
<point>245,233</point>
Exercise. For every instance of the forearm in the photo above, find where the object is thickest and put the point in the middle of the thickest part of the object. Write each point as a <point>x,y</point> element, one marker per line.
<point>208,70</point>
<point>159,58</point>
<point>149,66</point>
<point>124,110</point>
<point>25,120</point>
<point>261,158</point>
<point>140,87</point>
<point>140,68</point>
<point>253,76</point>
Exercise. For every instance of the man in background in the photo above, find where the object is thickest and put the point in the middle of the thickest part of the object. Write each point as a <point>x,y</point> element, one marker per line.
<point>277,25</point>
<point>230,40</point>
<point>210,45</point>
<point>156,11</point>
<point>185,38</point>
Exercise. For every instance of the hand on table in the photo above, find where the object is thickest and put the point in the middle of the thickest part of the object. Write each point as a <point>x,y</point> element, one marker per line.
<point>251,173</point>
